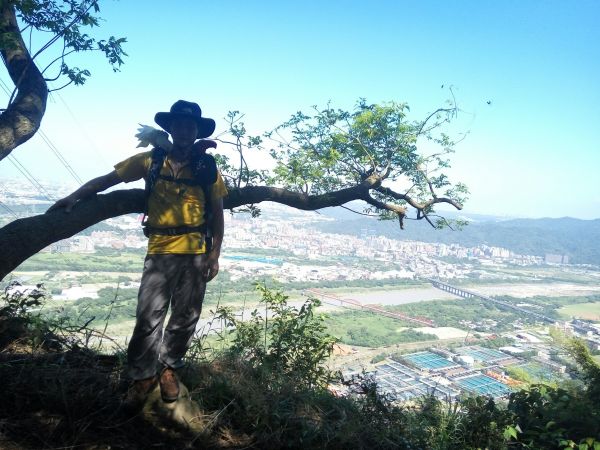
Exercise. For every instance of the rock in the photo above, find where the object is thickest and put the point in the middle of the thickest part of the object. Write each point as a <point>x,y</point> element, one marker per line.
<point>183,412</point>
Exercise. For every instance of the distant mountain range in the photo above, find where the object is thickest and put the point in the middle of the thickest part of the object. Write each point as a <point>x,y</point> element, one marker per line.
<point>576,238</point>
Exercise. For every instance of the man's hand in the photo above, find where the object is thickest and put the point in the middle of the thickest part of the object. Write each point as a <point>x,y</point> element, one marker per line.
<point>210,267</point>
<point>67,203</point>
<point>87,190</point>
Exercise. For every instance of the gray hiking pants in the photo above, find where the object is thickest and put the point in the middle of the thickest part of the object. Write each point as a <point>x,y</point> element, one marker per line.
<point>167,279</point>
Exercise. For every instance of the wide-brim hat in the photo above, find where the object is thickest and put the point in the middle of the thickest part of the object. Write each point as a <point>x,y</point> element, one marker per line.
<point>190,110</point>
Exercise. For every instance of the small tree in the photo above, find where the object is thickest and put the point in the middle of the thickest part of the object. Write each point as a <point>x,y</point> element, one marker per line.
<point>291,343</point>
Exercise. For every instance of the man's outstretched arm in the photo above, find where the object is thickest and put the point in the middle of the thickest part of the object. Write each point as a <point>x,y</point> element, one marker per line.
<point>90,188</point>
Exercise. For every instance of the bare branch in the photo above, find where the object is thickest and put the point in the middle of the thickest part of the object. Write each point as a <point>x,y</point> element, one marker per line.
<point>62,87</point>
<point>61,58</point>
<point>442,218</point>
<point>424,215</point>
<point>358,212</point>
<point>428,181</point>
<point>398,196</point>
<point>428,118</point>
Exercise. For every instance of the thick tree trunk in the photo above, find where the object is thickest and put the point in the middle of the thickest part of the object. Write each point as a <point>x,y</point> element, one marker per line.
<point>22,118</point>
<point>25,237</point>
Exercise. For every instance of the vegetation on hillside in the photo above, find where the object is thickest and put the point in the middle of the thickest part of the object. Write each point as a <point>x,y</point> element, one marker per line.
<point>268,388</point>
<point>578,239</point>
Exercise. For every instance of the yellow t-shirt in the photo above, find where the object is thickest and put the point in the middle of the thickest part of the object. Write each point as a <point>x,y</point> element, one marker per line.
<point>172,204</point>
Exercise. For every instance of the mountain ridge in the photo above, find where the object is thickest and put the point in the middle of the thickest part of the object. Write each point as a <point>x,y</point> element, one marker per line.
<point>579,239</point>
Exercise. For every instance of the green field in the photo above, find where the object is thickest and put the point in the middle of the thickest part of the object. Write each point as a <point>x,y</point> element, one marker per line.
<point>366,329</point>
<point>107,261</point>
<point>590,311</point>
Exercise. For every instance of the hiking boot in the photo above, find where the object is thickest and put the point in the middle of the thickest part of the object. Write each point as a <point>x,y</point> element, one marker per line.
<point>138,392</point>
<point>169,385</point>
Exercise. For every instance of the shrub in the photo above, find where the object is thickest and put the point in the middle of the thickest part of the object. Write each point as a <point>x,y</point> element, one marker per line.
<point>286,341</point>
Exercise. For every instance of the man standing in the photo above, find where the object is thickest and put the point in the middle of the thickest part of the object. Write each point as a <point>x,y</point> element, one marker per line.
<point>185,228</point>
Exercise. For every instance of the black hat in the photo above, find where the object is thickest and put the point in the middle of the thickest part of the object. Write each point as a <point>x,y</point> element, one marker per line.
<point>181,108</point>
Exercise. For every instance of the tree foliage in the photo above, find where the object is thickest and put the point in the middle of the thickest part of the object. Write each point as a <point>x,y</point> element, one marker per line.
<point>64,26</point>
<point>67,21</point>
<point>371,150</point>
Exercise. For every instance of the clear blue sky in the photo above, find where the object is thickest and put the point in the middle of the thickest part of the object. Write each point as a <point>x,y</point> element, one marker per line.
<point>533,152</point>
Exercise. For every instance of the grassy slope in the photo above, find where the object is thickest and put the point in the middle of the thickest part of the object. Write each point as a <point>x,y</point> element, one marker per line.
<point>589,311</point>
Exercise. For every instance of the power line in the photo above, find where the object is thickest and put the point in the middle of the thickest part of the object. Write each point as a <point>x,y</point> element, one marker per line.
<point>82,129</point>
<point>6,207</point>
<point>5,88</point>
<point>21,168</point>
<point>59,155</point>
<point>51,145</point>
<point>31,178</point>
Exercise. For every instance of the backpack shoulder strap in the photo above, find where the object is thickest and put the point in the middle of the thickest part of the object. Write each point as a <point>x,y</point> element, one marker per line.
<point>205,169</point>
<point>205,172</point>
<point>157,160</point>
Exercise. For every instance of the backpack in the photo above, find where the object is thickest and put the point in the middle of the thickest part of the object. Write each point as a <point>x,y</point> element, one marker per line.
<point>204,169</point>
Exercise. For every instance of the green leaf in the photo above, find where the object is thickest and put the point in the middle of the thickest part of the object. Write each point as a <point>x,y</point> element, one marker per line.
<point>510,432</point>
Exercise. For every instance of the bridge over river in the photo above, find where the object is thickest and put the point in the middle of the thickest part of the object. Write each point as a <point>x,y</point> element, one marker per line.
<point>461,292</point>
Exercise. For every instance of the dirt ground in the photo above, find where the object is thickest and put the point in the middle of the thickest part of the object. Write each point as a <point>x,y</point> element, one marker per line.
<point>443,332</point>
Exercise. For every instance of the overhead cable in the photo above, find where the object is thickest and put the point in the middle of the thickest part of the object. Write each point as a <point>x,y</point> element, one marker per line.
<point>60,157</point>
<point>50,144</point>
<point>36,184</point>
<point>6,207</point>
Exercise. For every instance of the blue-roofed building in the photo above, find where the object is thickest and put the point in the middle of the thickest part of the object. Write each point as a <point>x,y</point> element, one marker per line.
<point>429,361</point>
<point>479,384</point>
<point>403,383</point>
<point>484,355</point>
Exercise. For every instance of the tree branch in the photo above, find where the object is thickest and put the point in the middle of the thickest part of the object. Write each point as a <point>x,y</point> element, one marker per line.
<point>62,87</point>
<point>358,212</point>
<point>64,54</point>
<point>60,34</point>
<point>424,215</point>
<point>399,210</point>
<point>412,202</point>
<point>23,238</point>
<point>437,111</point>
<point>442,218</point>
